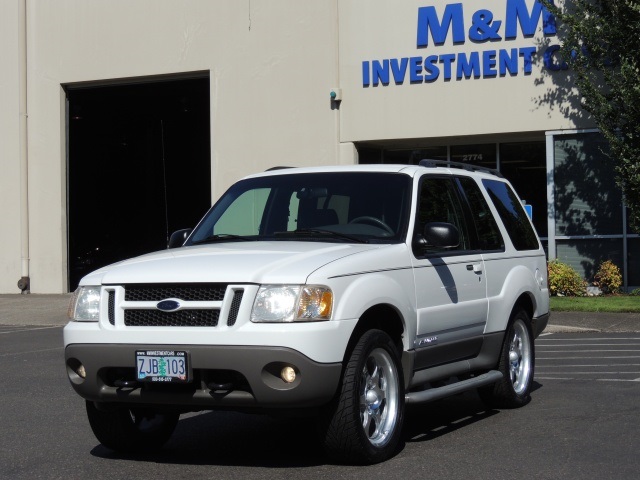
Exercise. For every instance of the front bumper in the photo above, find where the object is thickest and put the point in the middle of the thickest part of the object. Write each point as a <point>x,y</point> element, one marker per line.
<point>223,377</point>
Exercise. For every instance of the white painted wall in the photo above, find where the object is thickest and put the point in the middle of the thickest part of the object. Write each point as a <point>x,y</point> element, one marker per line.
<point>9,148</point>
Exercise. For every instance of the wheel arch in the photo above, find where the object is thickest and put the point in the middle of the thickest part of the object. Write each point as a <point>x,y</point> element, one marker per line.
<point>526,302</point>
<point>383,317</point>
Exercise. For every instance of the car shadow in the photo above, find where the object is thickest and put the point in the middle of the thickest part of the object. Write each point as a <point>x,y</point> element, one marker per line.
<point>239,439</point>
<point>442,417</point>
<point>235,439</point>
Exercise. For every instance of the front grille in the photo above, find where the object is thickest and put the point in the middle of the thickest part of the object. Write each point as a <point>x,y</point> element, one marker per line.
<point>189,292</point>
<point>235,308</point>
<point>112,307</point>
<point>181,318</point>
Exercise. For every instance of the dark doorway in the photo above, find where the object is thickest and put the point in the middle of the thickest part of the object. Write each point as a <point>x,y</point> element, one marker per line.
<point>139,168</point>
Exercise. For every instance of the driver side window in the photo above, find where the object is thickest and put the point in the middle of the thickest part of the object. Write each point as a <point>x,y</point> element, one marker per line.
<point>439,202</point>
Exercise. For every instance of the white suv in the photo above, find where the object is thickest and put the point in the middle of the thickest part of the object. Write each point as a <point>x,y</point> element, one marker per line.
<point>342,292</point>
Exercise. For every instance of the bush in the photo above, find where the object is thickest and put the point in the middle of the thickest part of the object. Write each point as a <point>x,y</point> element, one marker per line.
<point>564,280</point>
<point>635,293</point>
<point>608,277</point>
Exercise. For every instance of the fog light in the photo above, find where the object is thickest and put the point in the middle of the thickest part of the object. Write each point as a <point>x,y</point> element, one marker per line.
<point>82,373</point>
<point>288,374</point>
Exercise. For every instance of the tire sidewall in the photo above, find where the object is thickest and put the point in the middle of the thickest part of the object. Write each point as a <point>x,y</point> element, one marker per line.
<point>524,397</point>
<point>370,341</point>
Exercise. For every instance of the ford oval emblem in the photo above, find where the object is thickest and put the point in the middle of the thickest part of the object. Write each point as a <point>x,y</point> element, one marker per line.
<point>168,305</point>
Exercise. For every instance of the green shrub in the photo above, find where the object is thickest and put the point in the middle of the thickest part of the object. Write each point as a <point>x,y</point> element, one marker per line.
<point>564,280</point>
<point>608,277</point>
<point>635,293</point>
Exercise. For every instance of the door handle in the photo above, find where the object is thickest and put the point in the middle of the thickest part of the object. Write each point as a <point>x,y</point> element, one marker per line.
<point>476,268</point>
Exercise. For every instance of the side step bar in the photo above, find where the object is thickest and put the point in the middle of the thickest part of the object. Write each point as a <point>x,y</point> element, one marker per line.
<point>488,378</point>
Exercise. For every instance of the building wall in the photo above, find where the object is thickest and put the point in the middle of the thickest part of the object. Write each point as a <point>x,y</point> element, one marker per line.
<point>523,99</point>
<point>271,64</point>
<point>10,255</point>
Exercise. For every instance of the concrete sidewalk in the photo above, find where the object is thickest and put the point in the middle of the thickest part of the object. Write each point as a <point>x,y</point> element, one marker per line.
<point>51,310</point>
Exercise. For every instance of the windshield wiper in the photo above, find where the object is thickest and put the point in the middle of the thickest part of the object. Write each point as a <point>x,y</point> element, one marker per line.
<point>222,237</point>
<point>315,231</point>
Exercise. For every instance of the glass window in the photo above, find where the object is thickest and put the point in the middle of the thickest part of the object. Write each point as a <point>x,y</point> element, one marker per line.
<point>524,164</point>
<point>587,200</point>
<point>513,215</point>
<point>585,256</point>
<point>413,156</point>
<point>402,156</point>
<point>439,202</point>
<point>489,237</point>
<point>633,262</point>
<point>483,155</point>
<point>629,229</point>
<point>244,215</point>
<point>336,207</point>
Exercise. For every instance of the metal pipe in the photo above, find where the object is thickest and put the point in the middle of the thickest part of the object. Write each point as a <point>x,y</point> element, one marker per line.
<point>23,284</point>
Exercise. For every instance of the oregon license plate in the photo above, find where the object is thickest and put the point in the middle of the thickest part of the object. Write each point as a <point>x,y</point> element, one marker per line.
<point>162,366</point>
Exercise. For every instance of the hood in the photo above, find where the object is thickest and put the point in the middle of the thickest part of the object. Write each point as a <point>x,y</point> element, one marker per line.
<point>236,262</point>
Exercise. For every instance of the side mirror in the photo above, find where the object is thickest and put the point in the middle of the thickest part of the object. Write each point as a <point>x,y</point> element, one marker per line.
<point>441,235</point>
<point>178,237</point>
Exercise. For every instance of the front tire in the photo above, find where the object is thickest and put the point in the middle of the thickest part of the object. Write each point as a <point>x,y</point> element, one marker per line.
<point>517,361</point>
<point>364,424</point>
<point>131,430</point>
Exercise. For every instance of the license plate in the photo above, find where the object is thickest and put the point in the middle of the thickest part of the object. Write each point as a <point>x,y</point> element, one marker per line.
<point>162,366</point>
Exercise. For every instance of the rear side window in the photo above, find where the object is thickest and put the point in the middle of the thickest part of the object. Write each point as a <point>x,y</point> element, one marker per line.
<point>512,214</point>
<point>489,236</point>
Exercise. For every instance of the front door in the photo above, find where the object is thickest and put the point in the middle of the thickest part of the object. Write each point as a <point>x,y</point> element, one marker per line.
<point>451,289</point>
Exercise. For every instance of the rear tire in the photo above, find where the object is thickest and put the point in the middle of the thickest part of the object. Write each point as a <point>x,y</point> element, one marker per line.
<point>364,424</point>
<point>131,429</point>
<point>517,361</point>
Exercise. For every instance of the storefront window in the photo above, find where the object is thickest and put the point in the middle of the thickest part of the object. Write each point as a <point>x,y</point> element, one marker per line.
<point>587,200</point>
<point>629,229</point>
<point>524,165</point>
<point>483,155</point>
<point>369,155</point>
<point>633,262</point>
<point>585,256</point>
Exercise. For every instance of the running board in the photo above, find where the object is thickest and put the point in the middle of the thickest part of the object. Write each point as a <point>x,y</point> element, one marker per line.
<point>488,378</point>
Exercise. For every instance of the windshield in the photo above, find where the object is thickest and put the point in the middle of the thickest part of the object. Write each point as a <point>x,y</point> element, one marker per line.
<point>336,207</point>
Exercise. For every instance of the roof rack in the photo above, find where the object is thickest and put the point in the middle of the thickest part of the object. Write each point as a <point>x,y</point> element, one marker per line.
<point>428,163</point>
<point>277,168</point>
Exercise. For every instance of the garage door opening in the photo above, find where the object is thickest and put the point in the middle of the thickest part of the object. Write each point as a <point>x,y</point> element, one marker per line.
<point>139,168</point>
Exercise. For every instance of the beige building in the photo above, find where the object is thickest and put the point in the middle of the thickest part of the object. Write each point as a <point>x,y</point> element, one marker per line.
<point>122,121</point>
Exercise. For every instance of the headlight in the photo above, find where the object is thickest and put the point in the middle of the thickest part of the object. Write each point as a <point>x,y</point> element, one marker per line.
<point>292,303</point>
<point>85,305</point>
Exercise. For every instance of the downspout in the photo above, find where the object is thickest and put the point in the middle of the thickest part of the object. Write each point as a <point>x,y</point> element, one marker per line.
<point>336,95</point>
<point>23,283</point>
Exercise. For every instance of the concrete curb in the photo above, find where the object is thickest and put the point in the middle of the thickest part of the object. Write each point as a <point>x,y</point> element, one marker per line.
<point>568,329</point>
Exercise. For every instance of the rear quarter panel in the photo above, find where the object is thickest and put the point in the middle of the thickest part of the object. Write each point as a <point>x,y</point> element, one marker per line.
<point>509,277</point>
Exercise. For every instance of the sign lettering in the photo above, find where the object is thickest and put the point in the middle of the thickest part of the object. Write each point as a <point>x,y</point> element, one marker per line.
<point>521,17</point>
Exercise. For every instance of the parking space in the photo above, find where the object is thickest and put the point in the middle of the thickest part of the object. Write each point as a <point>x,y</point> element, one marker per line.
<point>588,357</point>
<point>23,341</point>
